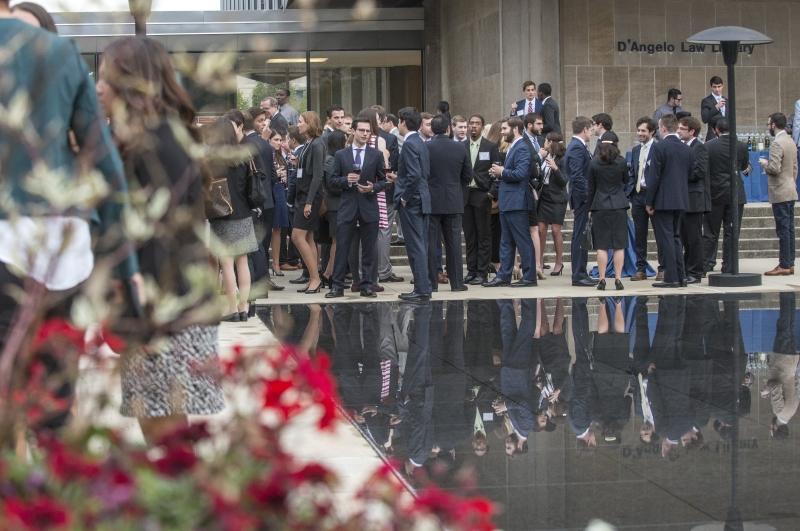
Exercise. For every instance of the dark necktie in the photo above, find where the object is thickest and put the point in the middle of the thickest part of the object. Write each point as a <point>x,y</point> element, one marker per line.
<point>357,161</point>
<point>530,107</point>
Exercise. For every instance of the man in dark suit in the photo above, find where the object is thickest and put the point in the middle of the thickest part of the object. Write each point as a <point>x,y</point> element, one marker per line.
<point>713,106</point>
<point>515,199</point>
<point>719,170</point>
<point>413,201</point>
<point>549,111</point>
<point>358,206</point>
<point>576,163</point>
<point>276,120</point>
<point>583,405</point>
<point>450,173</point>
<point>645,131</point>
<point>699,201</point>
<point>667,174</point>
<point>529,104</point>
<point>477,219</point>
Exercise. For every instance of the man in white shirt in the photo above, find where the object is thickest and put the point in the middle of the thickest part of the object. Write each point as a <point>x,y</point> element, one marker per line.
<point>713,106</point>
<point>645,132</point>
<point>288,112</point>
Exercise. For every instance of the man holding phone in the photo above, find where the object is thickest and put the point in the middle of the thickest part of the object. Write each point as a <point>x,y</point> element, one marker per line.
<point>359,175</point>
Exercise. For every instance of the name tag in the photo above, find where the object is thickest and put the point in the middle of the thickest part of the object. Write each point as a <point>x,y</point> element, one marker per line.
<point>488,417</point>
<point>521,112</point>
<point>483,155</point>
<point>299,173</point>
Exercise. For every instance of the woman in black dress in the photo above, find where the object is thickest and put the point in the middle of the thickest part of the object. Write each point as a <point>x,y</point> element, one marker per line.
<point>553,199</point>
<point>608,175</point>
<point>308,196</point>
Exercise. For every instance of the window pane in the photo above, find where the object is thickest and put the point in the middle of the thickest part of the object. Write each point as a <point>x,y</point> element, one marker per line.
<point>358,79</point>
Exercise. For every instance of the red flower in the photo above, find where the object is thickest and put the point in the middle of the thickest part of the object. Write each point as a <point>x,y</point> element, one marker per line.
<point>70,466</point>
<point>274,398</point>
<point>177,460</point>
<point>38,513</point>
<point>314,473</point>
<point>53,329</point>
<point>467,513</point>
<point>270,494</point>
<point>182,435</point>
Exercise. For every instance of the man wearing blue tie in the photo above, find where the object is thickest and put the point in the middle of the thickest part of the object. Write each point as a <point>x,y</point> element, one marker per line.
<point>413,201</point>
<point>514,201</point>
<point>576,161</point>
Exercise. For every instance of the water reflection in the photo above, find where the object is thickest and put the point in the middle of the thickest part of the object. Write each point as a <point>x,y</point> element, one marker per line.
<point>562,408</point>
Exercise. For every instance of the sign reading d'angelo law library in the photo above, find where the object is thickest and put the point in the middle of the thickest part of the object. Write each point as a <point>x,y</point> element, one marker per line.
<point>652,48</point>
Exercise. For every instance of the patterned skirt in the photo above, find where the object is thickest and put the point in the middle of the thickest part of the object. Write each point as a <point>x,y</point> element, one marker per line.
<point>238,236</point>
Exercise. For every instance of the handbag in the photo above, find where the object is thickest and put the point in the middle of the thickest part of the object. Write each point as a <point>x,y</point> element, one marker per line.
<point>255,186</point>
<point>586,238</point>
<point>217,196</point>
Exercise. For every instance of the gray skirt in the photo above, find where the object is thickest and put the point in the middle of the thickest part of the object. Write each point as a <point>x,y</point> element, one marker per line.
<point>238,236</point>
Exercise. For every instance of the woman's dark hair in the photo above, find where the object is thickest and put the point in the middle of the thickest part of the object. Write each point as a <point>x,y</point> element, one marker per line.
<point>220,133</point>
<point>607,152</point>
<point>235,116</point>
<point>557,147</point>
<point>46,21</point>
<point>278,155</point>
<point>295,134</point>
<point>172,92</point>
<point>335,140</point>
<point>372,115</point>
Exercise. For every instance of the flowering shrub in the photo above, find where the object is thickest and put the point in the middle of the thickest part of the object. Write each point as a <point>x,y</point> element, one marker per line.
<point>239,477</point>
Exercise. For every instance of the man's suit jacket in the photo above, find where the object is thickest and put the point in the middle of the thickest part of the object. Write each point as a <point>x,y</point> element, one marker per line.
<point>393,146</point>
<point>451,171</point>
<point>354,205</point>
<point>782,169</point>
<point>480,173</point>
<point>514,189</point>
<point>699,182</point>
<point>719,169</point>
<point>522,107</point>
<point>278,123</point>
<point>667,174</point>
<point>413,174</point>
<point>550,116</point>
<point>709,113</point>
<point>263,156</point>
<point>633,169</point>
<point>576,162</point>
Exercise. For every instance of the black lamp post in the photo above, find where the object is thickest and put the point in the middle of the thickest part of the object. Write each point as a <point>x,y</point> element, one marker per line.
<point>729,38</point>
<point>140,9</point>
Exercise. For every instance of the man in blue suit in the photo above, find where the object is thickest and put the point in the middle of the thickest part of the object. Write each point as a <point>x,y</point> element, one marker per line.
<point>529,104</point>
<point>667,175</point>
<point>576,162</point>
<point>358,207</point>
<point>515,199</point>
<point>413,201</point>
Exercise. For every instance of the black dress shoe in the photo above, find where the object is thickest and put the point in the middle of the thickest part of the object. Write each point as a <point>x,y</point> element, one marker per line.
<point>524,284</point>
<point>459,288</point>
<point>232,318</point>
<point>666,284</point>
<point>693,280</point>
<point>496,282</point>
<point>274,287</point>
<point>601,285</point>
<point>585,283</point>
<point>334,293</point>
<point>415,297</point>
<point>242,317</point>
<point>478,280</point>
<point>302,279</point>
<point>367,292</point>
<point>469,278</point>
<point>392,278</point>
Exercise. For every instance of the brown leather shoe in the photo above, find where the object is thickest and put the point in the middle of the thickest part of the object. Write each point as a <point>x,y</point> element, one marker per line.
<point>355,289</point>
<point>377,288</point>
<point>640,275</point>
<point>442,278</point>
<point>778,272</point>
<point>660,276</point>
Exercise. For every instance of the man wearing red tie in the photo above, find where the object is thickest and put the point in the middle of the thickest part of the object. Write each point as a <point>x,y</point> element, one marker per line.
<point>529,104</point>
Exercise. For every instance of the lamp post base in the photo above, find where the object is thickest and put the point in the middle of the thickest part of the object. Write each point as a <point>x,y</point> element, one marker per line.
<point>738,280</point>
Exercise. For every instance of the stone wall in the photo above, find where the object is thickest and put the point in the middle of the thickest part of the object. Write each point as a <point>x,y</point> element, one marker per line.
<point>597,76</point>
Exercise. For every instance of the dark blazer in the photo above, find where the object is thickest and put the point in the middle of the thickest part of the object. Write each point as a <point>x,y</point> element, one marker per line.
<point>480,171</point>
<point>312,161</point>
<point>709,113</point>
<point>278,123</point>
<point>719,169</point>
<point>607,185</point>
<point>633,169</point>
<point>522,105</point>
<point>393,145</point>
<point>699,182</point>
<point>451,171</point>
<point>555,189</point>
<point>536,161</point>
<point>413,174</point>
<point>667,174</point>
<point>264,158</point>
<point>514,189</point>
<point>550,117</point>
<point>353,205</point>
<point>333,195</point>
<point>576,162</point>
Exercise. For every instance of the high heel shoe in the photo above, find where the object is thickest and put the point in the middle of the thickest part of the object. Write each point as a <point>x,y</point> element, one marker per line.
<point>310,291</point>
<point>602,285</point>
<point>232,318</point>
<point>540,275</point>
<point>555,273</point>
<point>277,273</point>
<point>251,309</point>
<point>326,281</point>
<point>618,285</point>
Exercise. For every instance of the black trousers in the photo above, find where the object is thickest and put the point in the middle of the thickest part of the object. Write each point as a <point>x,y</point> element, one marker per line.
<point>692,236</point>
<point>415,232</point>
<point>721,215</point>
<point>578,255</point>
<point>348,237</point>
<point>641,219</point>
<point>445,227</point>
<point>259,260</point>
<point>477,224</point>
<point>667,226</point>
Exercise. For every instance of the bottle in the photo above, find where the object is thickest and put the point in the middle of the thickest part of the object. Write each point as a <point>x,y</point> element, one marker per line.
<point>749,144</point>
<point>761,142</point>
<point>766,142</point>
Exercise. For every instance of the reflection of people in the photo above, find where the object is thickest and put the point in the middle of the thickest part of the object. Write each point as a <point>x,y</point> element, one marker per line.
<point>646,403</point>
<point>550,343</point>
<point>783,378</point>
<point>610,373</point>
<point>583,404</point>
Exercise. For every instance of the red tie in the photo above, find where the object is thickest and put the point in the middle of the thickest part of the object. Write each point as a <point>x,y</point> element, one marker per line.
<point>530,107</point>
